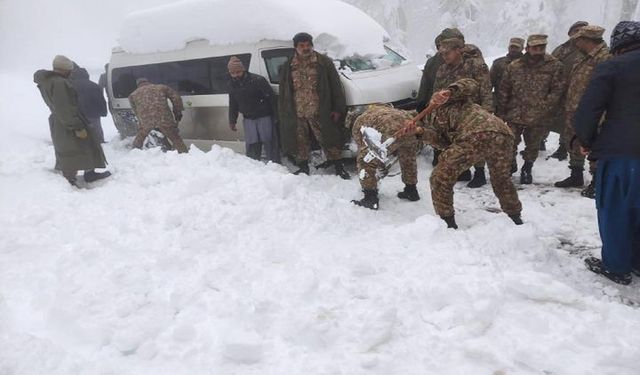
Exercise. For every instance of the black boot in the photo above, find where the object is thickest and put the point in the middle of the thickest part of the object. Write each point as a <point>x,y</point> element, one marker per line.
<point>436,155</point>
<point>254,151</point>
<point>543,145</point>
<point>514,167</point>
<point>409,193</point>
<point>517,219</point>
<point>575,180</point>
<point>590,190</point>
<point>560,153</point>
<point>525,173</point>
<point>91,176</point>
<point>370,200</point>
<point>451,221</point>
<point>465,176</point>
<point>339,165</point>
<point>478,180</point>
<point>303,168</point>
<point>595,265</point>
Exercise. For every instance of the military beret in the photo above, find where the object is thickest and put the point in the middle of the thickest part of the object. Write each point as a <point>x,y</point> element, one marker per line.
<point>537,40</point>
<point>450,33</point>
<point>518,42</point>
<point>577,25</point>
<point>589,32</point>
<point>451,43</point>
<point>62,63</point>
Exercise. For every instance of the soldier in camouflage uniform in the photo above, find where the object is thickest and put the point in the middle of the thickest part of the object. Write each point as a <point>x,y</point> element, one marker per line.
<point>469,133</point>
<point>460,63</point>
<point>516,45</point>
<point>594,51</point>
<point>149,103</point>
<point>529,92</point>
<point>568,54</point>
<point>387,121</point>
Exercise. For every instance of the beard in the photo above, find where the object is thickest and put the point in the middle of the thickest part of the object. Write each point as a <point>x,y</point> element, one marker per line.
<point>536,58</point>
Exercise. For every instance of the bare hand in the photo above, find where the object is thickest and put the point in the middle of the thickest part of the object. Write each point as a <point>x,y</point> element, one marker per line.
<point>584,151</point>
<point>233,127</point>
<point>82,133</point>
<point>441,97</point>
<point>409,128</point>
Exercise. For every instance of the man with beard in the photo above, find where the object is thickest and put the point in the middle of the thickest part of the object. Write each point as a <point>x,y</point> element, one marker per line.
<point>516,45</point>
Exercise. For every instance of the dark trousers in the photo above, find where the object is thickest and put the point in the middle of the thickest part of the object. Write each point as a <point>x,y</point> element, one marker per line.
<point>618,203</point>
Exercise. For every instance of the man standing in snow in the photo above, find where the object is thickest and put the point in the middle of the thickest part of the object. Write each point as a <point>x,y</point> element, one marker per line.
<point>90,100</point>
<point>529,92</point>
<point>311,99</point>
<point>568,54</point>
<point>614,92</point>
<point>460,63</point>
<point>149,103</point>
<point>386,120</point>
<point>251,95</point>
<point>469,133</point>
<point>74,141</point>
<point>516,45</point>
<point>589,41</point>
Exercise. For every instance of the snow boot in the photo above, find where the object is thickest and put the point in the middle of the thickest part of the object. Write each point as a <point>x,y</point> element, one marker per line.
<point>339,166</point>
<point>451,221</point>
<point>91,176</point>
<point>560,153</point>
<point>543,145</point>
<point>370,200</point>
<point>409,193</point>
<point>517,219</point>
<point>525,173</point>
<point>303,168</point>
<point>575,180</point>
<point>478,180</point>
<point>590,190</point>
<point>595,265</point>
<point>465,176</point>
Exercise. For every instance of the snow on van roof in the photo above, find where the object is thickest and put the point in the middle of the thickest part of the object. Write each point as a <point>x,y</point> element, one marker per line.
<point>338,28</point>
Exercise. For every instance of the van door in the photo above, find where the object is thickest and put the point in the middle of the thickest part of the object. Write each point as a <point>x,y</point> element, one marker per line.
<point>272,60</point>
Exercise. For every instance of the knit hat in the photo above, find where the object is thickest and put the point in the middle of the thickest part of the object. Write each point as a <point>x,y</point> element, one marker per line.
<point>62,63</point>
<point>451,43</point>
<point>235,64</point>
<point>537,40</point>
<point>624,34</point>
<point>518,42</point>
<point>450,33</point>
<point>577,25</point>
<point>589,32</point>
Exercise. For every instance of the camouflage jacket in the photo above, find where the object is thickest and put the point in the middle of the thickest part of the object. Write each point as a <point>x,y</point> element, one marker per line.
<point>568,54</point>
<point>497,69</point>
<point>529,92</point>
<point>581,74</point>
<point>149,103</point>
<point>304,73</point>
<point>470,67</point>
<point>386,120</point>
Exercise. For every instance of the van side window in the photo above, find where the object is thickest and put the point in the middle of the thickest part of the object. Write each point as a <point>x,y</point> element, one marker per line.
<point>274,59</point>
<point>189,77</point>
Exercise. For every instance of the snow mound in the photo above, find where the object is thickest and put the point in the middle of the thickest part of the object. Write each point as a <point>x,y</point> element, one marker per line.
<point>338,28</point>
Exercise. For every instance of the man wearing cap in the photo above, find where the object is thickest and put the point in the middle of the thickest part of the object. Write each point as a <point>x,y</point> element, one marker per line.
<point>594,50</point>
<point>529,92</point>
<point>251,95</point>
<point>149,103</point>
<point>468,134</point>
<point>459,64</point>
<point>311,99</point>
<point>516,45</point>
<point>614,92</point>
<point>74,141</point>
<point>387,121</point>
<point>568,54</point>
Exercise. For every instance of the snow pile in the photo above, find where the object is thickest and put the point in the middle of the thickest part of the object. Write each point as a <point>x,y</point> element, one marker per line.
<point>338,28</point>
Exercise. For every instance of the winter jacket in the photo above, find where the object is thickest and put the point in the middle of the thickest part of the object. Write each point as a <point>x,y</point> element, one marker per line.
<point>428,79</point>
<point>614,90</point>
<point>90,98</point>
<point>251,95</point>
<point>72,153</point>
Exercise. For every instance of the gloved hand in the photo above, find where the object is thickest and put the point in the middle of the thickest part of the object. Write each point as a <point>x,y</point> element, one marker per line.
<point>335,117</point>
<point>81,133</point>
<point>178,116</point>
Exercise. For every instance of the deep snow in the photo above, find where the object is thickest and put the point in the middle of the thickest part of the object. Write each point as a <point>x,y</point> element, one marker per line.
<point>211,263</point>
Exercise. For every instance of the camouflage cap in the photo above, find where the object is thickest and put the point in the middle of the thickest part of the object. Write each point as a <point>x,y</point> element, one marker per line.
<point>450,33</point>
<point>589,32</point>
<point>518,42</point>
<point>463,88</point>
<point>449,44</point>
<point>141,80</point>
<point>577,25</point>
<point>537,40</point>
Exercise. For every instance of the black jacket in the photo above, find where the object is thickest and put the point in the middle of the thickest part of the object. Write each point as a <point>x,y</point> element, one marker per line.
<point>90,99</point>
<point>614,90</point>
<point>252,96</point>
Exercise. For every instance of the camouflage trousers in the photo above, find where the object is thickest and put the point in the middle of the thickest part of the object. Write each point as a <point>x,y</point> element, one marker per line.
<point>171,133</point>
<point>496,149</point>
<point>533,135</point>
<point>576,159</point>
<point>304,141</point>
<point>368,172</point>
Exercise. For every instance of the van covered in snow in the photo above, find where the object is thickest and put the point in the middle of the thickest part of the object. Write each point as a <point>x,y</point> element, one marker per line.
<point>191,57</point>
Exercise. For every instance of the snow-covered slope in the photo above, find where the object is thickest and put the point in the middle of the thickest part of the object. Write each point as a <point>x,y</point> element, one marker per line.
<point>210,263</point>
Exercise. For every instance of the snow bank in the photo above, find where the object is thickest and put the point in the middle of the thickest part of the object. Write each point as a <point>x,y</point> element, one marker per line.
<point>338,28</point>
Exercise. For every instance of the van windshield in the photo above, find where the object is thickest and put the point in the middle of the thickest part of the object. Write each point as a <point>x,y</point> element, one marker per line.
<point>359,63</point>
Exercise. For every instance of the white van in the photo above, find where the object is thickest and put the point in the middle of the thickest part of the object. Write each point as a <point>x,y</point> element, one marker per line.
<point>198,71</point>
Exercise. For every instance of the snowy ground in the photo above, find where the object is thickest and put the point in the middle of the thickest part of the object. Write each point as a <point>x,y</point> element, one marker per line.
<point>211,263</point>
